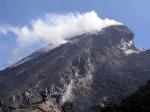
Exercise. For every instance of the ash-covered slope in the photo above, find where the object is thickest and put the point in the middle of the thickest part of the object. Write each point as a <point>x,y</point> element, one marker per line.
<point>88,69</point>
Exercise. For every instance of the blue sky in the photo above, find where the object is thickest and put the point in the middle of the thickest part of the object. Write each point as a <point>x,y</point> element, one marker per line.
<point>134,13</point>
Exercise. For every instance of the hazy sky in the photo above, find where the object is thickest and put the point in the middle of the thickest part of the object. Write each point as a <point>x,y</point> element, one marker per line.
<point>133,13</point>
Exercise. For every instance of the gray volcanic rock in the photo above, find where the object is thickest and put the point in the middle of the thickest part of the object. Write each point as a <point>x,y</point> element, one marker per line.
<point>90,69</point>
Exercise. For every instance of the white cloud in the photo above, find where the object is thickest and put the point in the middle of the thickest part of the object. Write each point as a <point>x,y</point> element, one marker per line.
<point>54,29</point>
<point>15,52</point>
<point>7,28</point>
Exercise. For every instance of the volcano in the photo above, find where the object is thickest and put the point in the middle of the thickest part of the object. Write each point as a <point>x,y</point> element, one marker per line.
<point>92,68</point>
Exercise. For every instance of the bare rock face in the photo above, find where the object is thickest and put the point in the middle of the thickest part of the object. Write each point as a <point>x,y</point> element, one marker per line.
<point>93,68</point>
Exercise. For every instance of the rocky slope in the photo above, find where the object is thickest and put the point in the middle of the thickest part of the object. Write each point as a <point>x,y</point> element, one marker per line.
<point>138,102</point>
<point>90,69</point>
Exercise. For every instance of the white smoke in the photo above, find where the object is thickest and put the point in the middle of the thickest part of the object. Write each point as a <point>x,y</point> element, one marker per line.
<point>68,95</point>
<point>54,29</point>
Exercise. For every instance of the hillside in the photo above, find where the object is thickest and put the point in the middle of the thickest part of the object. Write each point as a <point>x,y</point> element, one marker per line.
<point>138,102</point>
<point>90,69</point>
